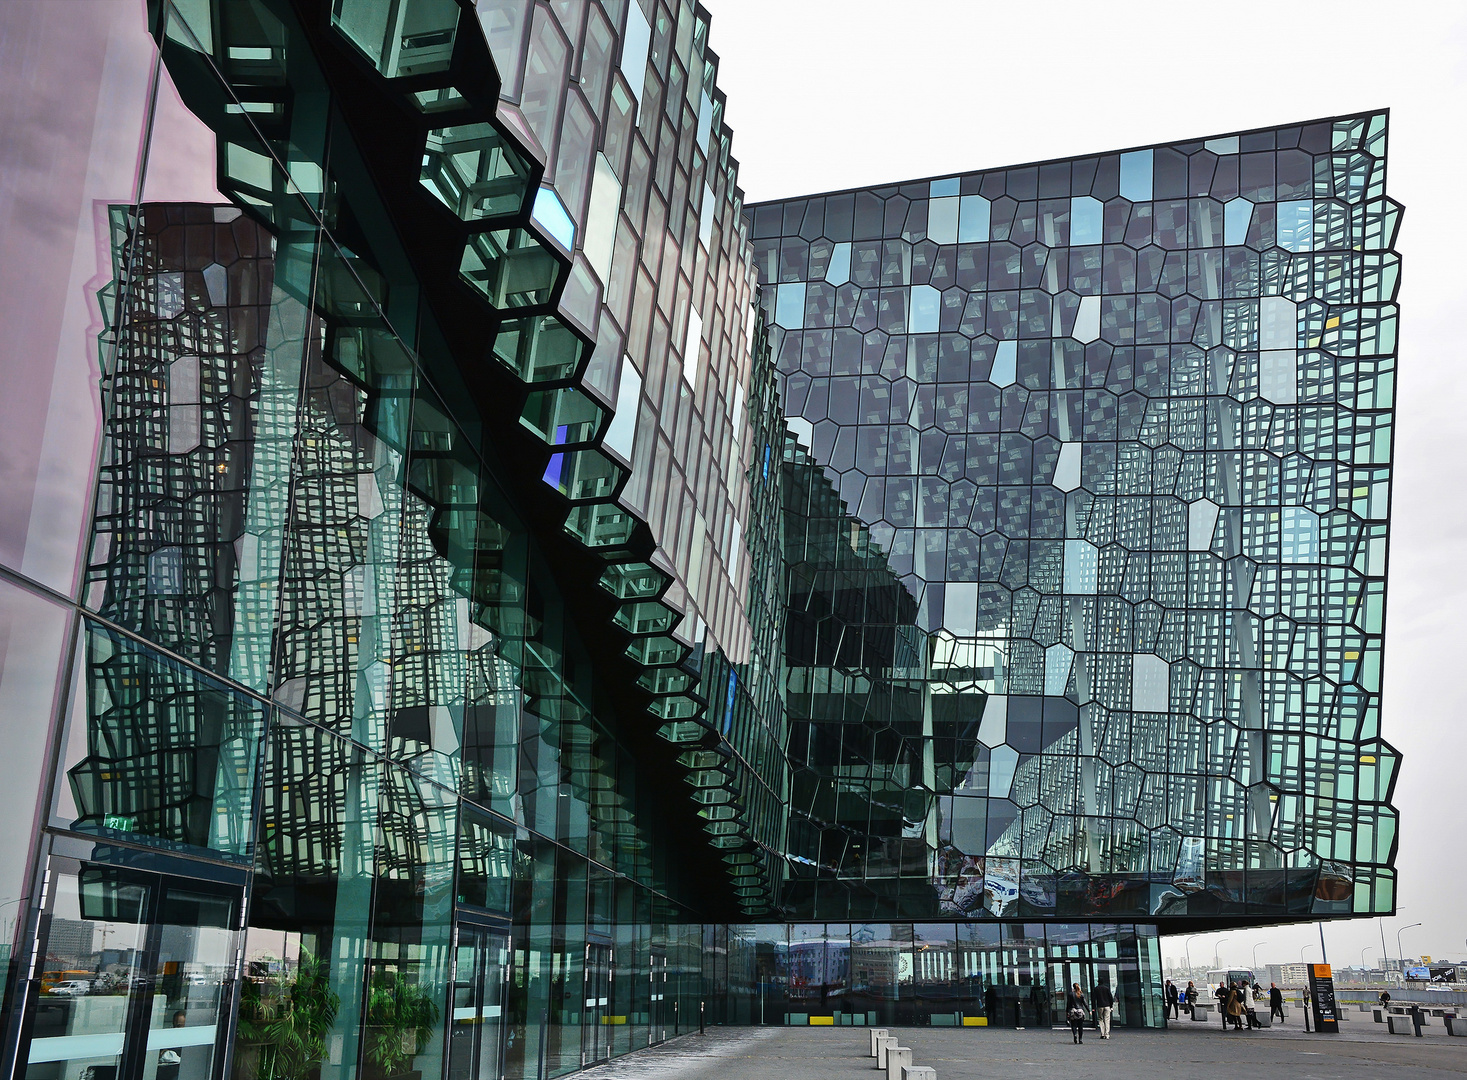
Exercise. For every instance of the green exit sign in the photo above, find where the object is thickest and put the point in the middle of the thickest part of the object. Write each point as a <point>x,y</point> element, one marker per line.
<point>121,822</point>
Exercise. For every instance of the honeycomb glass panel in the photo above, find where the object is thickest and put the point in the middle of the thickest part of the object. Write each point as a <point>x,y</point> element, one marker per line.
<point>476,172</point>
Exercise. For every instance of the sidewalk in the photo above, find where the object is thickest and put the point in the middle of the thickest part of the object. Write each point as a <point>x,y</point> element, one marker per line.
<point>1360,1052</point>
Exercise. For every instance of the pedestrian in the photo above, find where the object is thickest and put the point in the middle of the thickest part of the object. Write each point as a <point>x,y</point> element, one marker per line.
<point>1223,993</point>
<point>1385,998</point>
<point>1105,1002</point>
<point>990,1006</point>
<point>1191,999</point>
<point>1171,1010</point>
<point>1075,1009</point>
<point>1235,1007</point>
<point>1275,1002</point>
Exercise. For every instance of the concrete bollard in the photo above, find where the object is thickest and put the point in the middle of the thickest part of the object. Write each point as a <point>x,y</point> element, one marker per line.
<point>883,1044</point>
<point>919,1072</point>
<point>876,1033</point>
<point>1456,1025</point>
<point>897,1059</point>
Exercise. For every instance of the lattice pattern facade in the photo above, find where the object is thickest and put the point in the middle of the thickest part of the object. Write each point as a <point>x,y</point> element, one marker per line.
<point>1122,425</point>
<point>456,621</point>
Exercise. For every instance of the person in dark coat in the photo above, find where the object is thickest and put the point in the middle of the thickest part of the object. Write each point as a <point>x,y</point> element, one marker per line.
<point>1075,1009</point>
<point>1191,996</point>
<point>1223,995</point>
<point>1275,1002</point>
<point>990,1005</point>
<point>1104,1002</point>
<point>1171,1010</point>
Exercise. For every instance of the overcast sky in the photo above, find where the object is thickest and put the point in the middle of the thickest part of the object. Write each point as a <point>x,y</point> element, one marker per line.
<point>827,94</point>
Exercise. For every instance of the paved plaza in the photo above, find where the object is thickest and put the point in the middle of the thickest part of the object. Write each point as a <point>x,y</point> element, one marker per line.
<point>1196,1051</point>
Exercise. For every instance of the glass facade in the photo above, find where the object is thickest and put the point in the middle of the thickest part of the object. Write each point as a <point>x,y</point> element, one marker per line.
<point>1113,436</point>
<point>428,648</point>
<point>938,974</point>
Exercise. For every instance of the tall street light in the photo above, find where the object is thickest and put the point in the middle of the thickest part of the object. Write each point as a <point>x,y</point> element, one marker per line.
<point>1255,958</point>
<point>1399,954</point>
<point>1385,954</point>
<point>1305,949</point>
<point>1188,946</point>
<point>1368,948</point>
<point>1216,962</point>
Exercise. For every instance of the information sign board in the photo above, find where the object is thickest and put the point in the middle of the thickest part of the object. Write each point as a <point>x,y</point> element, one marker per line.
<point>1322,999</point>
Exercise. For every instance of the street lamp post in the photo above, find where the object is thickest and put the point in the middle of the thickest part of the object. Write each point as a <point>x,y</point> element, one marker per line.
<point>1385,954</point>
<point>1188,946</point>
<point>1401,956</point>
<point>1216,961</point>
<point>1368,948</point>
<point>1255,958</point>
<point>1305,949</point>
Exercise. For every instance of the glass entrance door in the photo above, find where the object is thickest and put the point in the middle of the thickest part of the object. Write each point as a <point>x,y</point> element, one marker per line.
<point>658,999</point>
<point>476,1030</point>
<point>1089,973</point>
<point>190,978</point>
<point>1063,974</point>
<point>1109,972</point>
<point>136,976</point>
<point>596,1027</point>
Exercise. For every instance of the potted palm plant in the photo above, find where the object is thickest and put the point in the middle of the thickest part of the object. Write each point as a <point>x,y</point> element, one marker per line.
<point>285,1022</point>
<point>400,1020</point>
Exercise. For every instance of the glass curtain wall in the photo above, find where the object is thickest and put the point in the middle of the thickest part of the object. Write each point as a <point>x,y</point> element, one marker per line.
<point>1120,429</point>
<point>262,592</point>
<point>988,974</point>
<point>333,767</point>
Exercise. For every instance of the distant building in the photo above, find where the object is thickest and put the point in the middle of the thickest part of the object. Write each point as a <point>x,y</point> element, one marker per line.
<point>1292,974</point>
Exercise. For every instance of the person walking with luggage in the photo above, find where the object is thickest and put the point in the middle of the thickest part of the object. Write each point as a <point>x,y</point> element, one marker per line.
<point>1170,1012</point>
<point>1275,1002</point>
<point>1105,1003</point>
<point>1075,1009</point>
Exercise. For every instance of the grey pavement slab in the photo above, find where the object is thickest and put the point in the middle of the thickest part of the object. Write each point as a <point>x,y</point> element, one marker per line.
<point>1190,1051</point>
